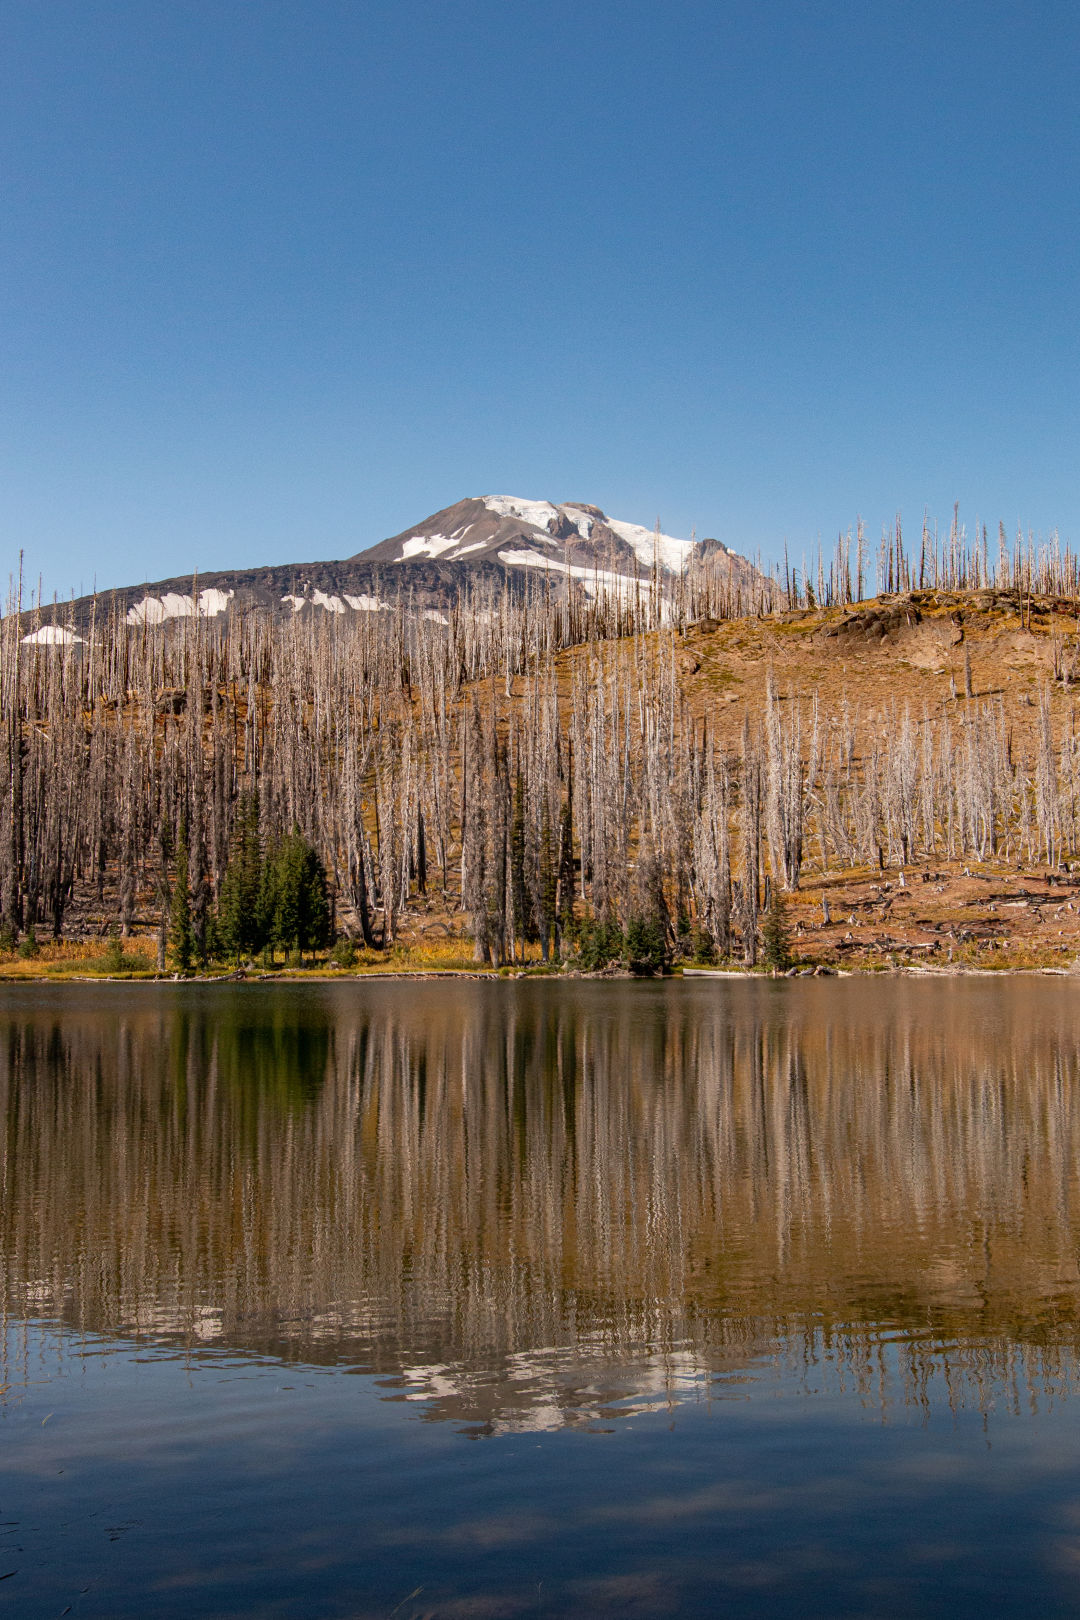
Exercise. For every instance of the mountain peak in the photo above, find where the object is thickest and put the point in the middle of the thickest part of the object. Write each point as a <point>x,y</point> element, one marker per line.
<point>573,538</point>
<point>497,538</point>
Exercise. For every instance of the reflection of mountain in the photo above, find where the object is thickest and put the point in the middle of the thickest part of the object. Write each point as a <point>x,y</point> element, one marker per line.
<point>525,1204</point>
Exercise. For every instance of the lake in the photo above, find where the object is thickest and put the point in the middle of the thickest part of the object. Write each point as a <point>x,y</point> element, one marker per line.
<point>540,1298</point>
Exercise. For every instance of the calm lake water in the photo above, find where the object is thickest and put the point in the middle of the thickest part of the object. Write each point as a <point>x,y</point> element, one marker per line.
<point>540,1299</point>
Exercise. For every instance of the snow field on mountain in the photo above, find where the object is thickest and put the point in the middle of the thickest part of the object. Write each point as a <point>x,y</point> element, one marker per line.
<point>173,605</point>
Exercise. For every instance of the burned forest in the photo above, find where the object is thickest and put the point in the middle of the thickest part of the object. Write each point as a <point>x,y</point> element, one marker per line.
<point>550,776</point>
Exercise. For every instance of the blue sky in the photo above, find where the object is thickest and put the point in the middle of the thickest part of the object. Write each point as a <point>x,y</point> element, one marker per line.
<point>278,279</point>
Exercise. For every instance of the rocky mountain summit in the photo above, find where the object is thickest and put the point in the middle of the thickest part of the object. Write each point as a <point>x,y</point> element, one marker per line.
<point>493,539</point>
<point>574,540</point>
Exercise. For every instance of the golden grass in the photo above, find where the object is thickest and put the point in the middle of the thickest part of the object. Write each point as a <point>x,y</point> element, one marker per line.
<point>445,955</point>
<point>61,958</point>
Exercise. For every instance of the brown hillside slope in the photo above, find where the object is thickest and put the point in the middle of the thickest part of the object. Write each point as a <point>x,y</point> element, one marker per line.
<point>937,658</point>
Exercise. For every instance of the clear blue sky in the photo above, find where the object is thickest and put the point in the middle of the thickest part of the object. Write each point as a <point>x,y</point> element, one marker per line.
<point>280,277</point>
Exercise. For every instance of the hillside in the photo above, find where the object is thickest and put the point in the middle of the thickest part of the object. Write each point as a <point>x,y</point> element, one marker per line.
<point>906,770</point>
<point>984,681</point>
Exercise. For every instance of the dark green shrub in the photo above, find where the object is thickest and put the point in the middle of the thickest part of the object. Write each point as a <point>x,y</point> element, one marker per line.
<point>589,947</point>
<point>599,944</point>
<point>29,947</point>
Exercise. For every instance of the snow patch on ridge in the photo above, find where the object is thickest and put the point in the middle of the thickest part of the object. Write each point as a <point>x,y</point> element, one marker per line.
<point>594,581</point>
<point>53,635</point>
<point>173,605</point>
<point>536,513</point>
<point>428,545</point>
<point>672,555</point>
<point>537,521</point>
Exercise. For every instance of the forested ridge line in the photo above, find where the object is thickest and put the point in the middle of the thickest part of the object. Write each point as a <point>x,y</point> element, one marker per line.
<point>487,770</point>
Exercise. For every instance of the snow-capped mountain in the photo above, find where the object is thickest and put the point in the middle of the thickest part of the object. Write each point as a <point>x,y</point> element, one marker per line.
<point>573,538</point>
<point>497,538</point>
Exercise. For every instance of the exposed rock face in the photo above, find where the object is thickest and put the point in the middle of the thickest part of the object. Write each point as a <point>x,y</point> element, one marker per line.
<point>923,642</point>
<point>492,538</point>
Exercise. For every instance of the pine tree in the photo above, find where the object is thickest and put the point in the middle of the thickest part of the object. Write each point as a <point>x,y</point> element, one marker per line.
<point>297,898</point>
<point>421,854</point>
<point>241,916</point>
<point>646,945</point>
<point>775,940</point>
<point>564,891</point>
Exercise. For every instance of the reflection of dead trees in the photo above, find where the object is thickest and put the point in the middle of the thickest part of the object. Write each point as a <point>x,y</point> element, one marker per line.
<point>495,1155</point>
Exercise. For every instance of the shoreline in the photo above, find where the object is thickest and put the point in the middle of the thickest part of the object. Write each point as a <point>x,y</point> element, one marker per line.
<point>504,976</point>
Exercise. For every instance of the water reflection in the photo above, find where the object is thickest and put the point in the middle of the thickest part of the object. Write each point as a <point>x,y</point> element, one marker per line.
<point>538,1204</point>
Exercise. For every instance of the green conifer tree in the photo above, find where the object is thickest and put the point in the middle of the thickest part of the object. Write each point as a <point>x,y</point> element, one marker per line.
<point>564,891</point>
<point>646,947</point>
<point>775,939</point>
<point>240,927</point>
<point>297,899</point>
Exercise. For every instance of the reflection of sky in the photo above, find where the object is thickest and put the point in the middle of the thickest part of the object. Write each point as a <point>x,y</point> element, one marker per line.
<point>582,1384</point>
<point>221,1485</point>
